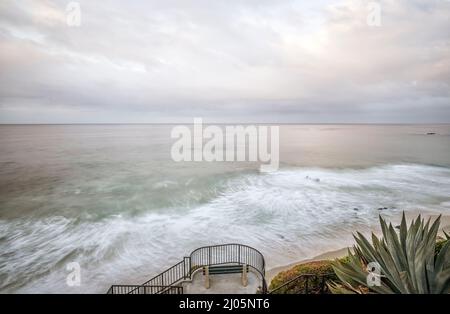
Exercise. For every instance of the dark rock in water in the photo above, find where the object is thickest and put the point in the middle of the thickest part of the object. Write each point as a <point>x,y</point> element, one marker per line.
<point>356,209</point>
<point>382,208</point>
<point>431,133</point>
<point>312,179</point>
<point>397,227</point>
<point>385,208</point>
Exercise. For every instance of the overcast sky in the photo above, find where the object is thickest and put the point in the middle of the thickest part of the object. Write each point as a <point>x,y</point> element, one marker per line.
<point>225,61</point>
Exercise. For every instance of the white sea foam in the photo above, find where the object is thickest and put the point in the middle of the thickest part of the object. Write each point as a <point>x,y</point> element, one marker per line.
<point>292,214</point>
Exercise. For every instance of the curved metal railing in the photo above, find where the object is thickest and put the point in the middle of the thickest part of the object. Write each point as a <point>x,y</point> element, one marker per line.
<point>232,253</point>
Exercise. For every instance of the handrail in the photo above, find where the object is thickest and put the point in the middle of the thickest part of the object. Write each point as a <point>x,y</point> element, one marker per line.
<point>307,276</point>
<point>232,253</point>
<point>140,289</point>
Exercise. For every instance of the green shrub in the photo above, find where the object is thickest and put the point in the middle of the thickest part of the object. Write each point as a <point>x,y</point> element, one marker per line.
<point>299,286</point>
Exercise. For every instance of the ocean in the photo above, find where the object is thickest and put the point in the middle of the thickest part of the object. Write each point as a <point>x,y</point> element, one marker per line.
<point>110,198</point>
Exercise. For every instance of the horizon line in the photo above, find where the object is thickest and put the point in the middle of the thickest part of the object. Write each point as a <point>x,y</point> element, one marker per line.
<point>231,123</point>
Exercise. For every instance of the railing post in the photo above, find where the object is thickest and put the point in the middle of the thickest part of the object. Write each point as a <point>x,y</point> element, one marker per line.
<point>244,275</point>
<point>207,277</point>
<point>239,253</point>
<point>209,255</point>
<point>322,285</point>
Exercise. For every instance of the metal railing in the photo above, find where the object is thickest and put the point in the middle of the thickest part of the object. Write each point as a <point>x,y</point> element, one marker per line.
<point>319,280</point>
<point>205,256</point>
<point>230,254</point>
<point>140,289</point>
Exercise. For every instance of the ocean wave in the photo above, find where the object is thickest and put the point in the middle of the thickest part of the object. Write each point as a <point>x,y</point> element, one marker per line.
<point>290,214</point>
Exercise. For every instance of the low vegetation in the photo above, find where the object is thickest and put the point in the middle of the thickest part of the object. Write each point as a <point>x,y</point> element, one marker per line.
<point>315,285</point>
<point>411,260</point>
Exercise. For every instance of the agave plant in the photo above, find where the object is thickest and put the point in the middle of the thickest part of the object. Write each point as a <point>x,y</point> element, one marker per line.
<point>406,260</point>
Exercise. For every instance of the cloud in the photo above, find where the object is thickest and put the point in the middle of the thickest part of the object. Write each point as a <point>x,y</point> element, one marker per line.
<point>247,61</point>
